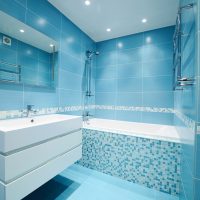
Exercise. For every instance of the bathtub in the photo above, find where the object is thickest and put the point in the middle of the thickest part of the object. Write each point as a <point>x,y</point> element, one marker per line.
<point>144,130</point>
<point>145,154</point>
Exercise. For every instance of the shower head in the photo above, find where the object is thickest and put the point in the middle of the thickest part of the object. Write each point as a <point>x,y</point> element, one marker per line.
<point>89,54</point>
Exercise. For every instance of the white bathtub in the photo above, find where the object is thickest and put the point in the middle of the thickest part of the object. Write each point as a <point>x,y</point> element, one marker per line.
<point>144,130</point>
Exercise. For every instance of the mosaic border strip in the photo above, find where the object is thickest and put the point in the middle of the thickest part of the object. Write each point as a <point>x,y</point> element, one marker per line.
<point>133,108</point>
<point>52,110</point>
<point>43,111</point>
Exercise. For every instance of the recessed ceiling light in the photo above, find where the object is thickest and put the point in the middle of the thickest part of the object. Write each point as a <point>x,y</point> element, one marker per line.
<point>144,20</point>
<point>108,29</point>
<point>21,30</point>
<point>51,45</point>
<point>87,2</point>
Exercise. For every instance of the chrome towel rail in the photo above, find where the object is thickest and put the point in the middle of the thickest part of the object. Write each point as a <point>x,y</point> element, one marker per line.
<point>11,71</point>
<point>177,51</point>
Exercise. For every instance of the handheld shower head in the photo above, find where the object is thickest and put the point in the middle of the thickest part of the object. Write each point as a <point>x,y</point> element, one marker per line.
<point>89,53</point>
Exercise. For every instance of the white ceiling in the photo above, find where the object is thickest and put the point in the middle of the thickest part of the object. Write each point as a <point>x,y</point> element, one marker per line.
<point>122,16</point>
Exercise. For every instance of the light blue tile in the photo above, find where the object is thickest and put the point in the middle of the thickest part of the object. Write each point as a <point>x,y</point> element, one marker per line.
<point>105,98</point>
<point>157,52</point>
<point>70,98</point>
<point>44,67</point>
<point>158,99</point>
<point>106,85</point>
<point>130,41</point>
<point>13,8</point>
<point>158,68</point>
<point>157,118</point>
<point>106,46</point>
<point>8,55</point>
<point>162,83</point>
<point>44,56</point>
<point>129,99</point>
<point>130,56</point>
<point>196,189</point>
<point>128,116</point>
<point>52,15</point>
<point>106,59</point>
<point>68,80</point>
<point>11,97</point>
<point>70,45</point>
<point>42,25</point>
<point>105,114</point>
<point>71,64</point>
<point>129,70</point>
<point>187,180</point>
<point>38,97</point>
<point>106,72</point>
<point>129,85</point>
<point>159,36</point>
<point>70,30</point>
<point>22,2</point>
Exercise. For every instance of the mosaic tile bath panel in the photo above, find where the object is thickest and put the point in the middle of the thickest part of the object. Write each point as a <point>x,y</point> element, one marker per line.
<point>153,163</point>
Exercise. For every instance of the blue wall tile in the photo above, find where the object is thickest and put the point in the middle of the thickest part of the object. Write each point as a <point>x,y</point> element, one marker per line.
<point>161,83</point>
<point>52,15</point>
<point>130,41</point>
<point>14,9</point>
<point>129,70</point>
<point>138,68</point>
<point>158,99</point>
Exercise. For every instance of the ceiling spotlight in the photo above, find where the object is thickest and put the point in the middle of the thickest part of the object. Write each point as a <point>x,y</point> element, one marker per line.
<point>51,45</point>
<point>21,30</point>
<point>108,29</point>
<point>87,2</point>
<point>144,20</point>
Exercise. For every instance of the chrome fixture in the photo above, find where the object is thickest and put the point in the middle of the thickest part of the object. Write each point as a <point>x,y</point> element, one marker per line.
<point>90,54</point>
<point>88,76</point>
<point>177,51</point>
<point>29,110</point>
<point>188,6</point>
<point>10,72</point>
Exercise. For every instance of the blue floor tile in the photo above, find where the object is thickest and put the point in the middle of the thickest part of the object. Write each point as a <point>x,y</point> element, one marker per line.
<point>80,183</point>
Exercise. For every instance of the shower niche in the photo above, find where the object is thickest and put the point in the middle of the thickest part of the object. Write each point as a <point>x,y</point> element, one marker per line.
<point>27,56</point>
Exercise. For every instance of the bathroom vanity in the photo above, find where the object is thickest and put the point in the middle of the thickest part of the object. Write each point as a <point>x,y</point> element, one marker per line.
<point>34,150</point>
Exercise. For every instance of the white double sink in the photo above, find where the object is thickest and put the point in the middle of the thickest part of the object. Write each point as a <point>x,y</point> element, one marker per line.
<point>34,150</point>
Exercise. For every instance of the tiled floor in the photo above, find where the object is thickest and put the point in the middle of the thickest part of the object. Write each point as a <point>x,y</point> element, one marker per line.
<point>79,183</point>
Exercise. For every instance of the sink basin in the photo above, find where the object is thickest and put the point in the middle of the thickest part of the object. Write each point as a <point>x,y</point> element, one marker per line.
<point>22,132</point>
<point>34,150</point>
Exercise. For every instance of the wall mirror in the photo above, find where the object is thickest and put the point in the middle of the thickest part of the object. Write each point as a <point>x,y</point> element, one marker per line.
<point>27,56</point>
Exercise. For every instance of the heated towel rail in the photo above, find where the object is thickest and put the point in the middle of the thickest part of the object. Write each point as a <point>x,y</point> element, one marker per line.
<point>10,72</point>
<point>179,80</point>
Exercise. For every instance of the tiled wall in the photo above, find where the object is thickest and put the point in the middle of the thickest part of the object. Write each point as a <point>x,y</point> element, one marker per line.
<point>136,71</point>
<point>35,63</point>
<point>153,163</point>
<point>42,16</point>
<point>197,139</point>
<point>185,103</point>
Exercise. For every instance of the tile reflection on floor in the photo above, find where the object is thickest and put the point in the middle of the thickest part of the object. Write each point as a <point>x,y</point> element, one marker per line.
<point>79,183</point>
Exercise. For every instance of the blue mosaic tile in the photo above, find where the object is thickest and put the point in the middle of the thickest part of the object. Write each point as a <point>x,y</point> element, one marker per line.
<point>152,163</point>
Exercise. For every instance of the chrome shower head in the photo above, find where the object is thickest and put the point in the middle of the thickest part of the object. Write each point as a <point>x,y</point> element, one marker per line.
<point>89,54</point>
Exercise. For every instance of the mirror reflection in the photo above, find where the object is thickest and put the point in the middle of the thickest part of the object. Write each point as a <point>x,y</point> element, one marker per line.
<point>26,55</point>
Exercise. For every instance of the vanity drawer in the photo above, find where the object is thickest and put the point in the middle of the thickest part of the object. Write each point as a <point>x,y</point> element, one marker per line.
<point>18,164</point>
<point>26,184</point>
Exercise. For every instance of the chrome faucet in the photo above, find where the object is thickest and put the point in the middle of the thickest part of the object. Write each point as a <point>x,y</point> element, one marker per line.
<point>29,109</point>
